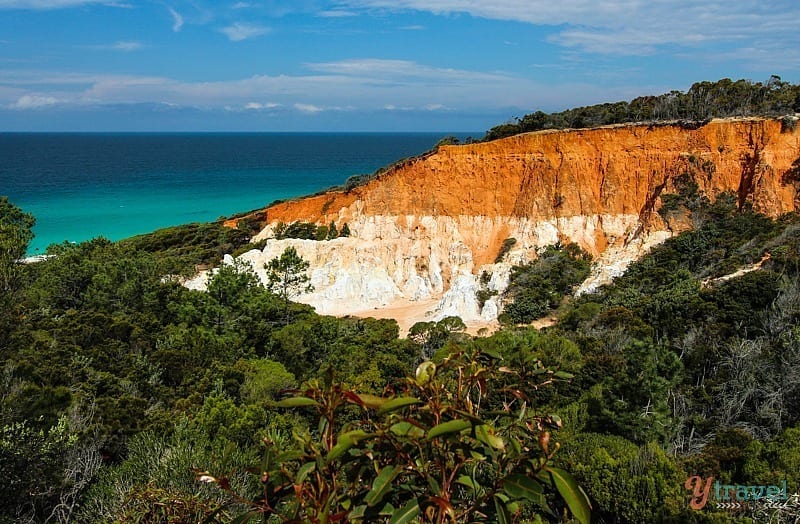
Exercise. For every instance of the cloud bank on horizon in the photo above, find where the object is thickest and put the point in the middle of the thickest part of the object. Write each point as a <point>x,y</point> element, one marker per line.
<point>366,65</point>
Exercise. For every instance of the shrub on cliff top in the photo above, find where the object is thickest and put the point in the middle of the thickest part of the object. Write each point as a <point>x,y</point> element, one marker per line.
<point>692,109</point>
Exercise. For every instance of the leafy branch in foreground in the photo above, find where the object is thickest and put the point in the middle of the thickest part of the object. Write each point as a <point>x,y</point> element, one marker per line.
<point>459,442</point>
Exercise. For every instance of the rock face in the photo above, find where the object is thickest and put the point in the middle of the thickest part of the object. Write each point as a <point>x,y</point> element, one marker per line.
<point>426,230</point>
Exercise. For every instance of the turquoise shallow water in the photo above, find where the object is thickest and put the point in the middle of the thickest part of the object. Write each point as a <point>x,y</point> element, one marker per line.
<point>80,186</point>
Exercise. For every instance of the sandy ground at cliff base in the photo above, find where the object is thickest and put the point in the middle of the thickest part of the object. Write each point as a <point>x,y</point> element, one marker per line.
<point>409,312</point>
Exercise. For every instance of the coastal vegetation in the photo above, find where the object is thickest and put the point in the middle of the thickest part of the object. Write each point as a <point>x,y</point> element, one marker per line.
<point>117,382</point>
<point>702,101</point>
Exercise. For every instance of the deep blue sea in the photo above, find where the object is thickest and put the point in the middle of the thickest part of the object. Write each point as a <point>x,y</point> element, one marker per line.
<point>80,186</point>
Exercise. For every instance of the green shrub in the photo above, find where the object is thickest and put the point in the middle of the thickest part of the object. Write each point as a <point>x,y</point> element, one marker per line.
<point>356,181</point>
<point>332,231</point>
<point>776,461</point>
<point>505,247</point>
<point>627,483</point>
<point>157,483</point>
<point>264,380</point>
<point>299,229</point>
<point>182,248</point>
<point>538,287</point>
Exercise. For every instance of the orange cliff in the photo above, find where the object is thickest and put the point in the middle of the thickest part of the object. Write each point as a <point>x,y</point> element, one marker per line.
<point>425,228</point>
<point>618,170</point>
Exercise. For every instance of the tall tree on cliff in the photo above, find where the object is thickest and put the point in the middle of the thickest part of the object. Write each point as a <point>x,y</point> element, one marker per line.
<point>287,276</point>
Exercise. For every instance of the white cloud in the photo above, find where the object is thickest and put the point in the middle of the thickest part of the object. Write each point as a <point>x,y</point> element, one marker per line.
<point>358,85</point>
<point>123,45</point>
<point>240,31</point>
<point>402,70</point>
<point>308,108</point>
<point>258,106</point>
<point>127,46</point>
<point>177,20</point>
<point>33,102</point>
<point>626,26</point>
<point>336,13</point>
<point>767,58</point>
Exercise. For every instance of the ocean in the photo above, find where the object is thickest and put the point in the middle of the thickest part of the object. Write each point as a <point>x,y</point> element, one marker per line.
<point>81,186</point>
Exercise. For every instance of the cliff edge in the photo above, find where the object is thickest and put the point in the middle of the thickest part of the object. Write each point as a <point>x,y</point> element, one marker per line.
<point>426,230</point>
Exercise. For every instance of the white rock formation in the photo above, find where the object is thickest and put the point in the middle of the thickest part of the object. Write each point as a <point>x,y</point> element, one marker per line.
<point>400,259</point>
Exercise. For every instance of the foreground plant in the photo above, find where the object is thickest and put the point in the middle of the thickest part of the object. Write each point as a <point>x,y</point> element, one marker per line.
<point>459,442</point>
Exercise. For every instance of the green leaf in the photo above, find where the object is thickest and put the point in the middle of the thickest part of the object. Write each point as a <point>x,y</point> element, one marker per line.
<point>436,489</point>
<point>297,402</point>
<point>356,435</point>
<point>345,441</point>
<point>343,444</point>
<point>522,487</point>
<point>468,482</point>
<point>364,514</point>
<point>492,354</point>
<point>406,514</point>
<point>577,501</point>
<point>425,372</point>
<point>451,426</point>
<point>303,472</point>
<point>407,429</point>
<point>503,516</point>
<point>563,375</point>
<point>382,484</point>
<point>386,510</point>
<point>486,435</point>
<point>397,403</point>
<point>477,456</point>
<point>357,513</point>
<point>371,401</point>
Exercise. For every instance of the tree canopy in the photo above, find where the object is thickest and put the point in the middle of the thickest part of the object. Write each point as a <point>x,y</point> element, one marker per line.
<point>702,101</point>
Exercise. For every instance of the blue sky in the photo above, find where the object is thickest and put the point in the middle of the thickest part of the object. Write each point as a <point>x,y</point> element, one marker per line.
<point>366,65</point>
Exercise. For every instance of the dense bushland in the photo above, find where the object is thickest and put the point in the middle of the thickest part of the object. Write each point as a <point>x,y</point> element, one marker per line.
<point>119,385</point>
<point>120,389</point>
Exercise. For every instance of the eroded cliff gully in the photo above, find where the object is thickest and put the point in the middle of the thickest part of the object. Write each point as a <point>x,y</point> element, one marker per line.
<point>425,230</point>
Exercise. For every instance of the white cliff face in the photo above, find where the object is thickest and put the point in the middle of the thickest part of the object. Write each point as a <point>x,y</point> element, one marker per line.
<point>428,260</point>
